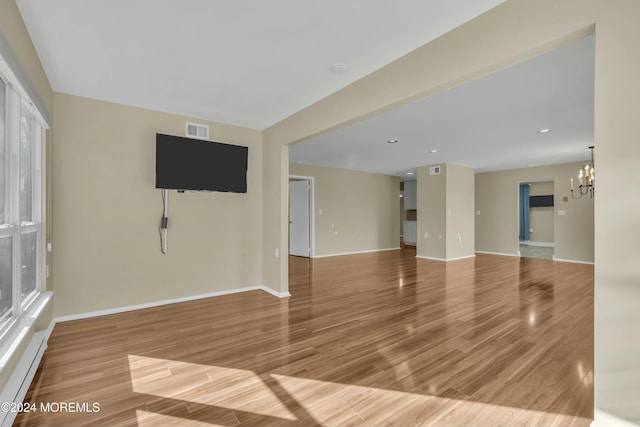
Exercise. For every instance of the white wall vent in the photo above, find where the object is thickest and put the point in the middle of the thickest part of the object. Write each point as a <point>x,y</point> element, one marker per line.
<point>195,130</point>
<point>434,170</point>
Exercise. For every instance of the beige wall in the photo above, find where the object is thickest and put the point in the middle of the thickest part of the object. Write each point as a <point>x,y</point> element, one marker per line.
<point>15,33</point>
<point>106,213</point>
<point>362,208</point>
<point>431,219</point>
<point>617,132</point>
<point>541,218</point>
<point>460,212</point>
<point>497,226</point>
<point>14,30</point>
<point>514,31</point>
<point>445,213</point>
<point>275,244</point>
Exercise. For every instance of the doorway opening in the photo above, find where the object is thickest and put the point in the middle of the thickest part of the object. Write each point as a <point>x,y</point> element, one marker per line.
<point>301,216</point>
<point>536,215</point>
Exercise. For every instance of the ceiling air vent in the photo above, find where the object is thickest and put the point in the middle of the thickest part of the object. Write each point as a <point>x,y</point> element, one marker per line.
<point>434,170</point>
<point>195,130</point>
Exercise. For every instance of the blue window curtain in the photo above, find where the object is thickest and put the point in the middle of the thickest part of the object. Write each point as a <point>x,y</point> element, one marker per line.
<point>524,212</point>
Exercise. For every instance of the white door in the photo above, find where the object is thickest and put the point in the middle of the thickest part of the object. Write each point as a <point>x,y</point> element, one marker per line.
<point>299,213</point>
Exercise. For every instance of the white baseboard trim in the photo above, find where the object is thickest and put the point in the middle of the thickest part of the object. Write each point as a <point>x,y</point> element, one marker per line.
<point>445,259</point>
<point>604,419</point>
<point>274,292</point>
<point>574,261</point>
<point>168,301</point>
<point>461,257</point>
<point>430,258</point>
<point>498,253</point>
<point>541,244</point>
<point>358,252</point>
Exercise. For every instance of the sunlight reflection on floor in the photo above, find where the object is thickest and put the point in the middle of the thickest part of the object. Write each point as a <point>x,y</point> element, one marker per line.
<point>229,388</point>
<point>375,406</point>
<point>198,388</point>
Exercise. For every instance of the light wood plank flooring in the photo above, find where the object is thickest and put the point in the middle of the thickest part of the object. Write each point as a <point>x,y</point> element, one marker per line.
<point>365,340</point>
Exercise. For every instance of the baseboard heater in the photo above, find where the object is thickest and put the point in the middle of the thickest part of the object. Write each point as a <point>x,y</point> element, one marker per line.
<point>18,385</point>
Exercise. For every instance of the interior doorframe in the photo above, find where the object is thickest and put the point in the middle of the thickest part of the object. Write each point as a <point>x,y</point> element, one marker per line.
<point>312,210</point>
<point>531,181</point>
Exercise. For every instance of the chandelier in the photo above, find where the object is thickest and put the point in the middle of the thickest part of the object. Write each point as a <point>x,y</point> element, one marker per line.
<point>586,180</point>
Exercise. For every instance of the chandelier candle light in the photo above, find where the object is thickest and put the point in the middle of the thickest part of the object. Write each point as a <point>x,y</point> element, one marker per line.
<point>586,184</point>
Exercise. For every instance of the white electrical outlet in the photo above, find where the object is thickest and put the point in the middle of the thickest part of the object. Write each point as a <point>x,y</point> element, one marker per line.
<point>276,252</point>
<point>440,236</point>
<point>426,235</point>
<point>477,212</point>
<point>459,237</point>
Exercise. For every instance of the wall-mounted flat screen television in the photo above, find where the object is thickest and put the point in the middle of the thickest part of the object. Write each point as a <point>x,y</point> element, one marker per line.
<point>540,201</point>
<point>194,164</point>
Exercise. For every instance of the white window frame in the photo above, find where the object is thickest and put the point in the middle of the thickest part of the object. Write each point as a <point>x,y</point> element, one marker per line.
<point>36,212</point>
<point>15,101</point>
<point>7,230</point>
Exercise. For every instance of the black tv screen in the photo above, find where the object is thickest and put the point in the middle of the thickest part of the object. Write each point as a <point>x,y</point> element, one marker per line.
<point>193,164</point>
<point>540,201</point>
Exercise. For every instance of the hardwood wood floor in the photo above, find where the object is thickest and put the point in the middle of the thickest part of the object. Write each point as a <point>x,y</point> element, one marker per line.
<point>365,340</point>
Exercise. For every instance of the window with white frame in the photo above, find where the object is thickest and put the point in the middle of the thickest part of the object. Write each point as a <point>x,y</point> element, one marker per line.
<point>20,228</point>
<point>6,237</point>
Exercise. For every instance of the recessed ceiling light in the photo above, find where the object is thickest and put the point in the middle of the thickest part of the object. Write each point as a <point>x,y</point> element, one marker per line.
<point>433,151</point>
<point>544,130</point>
<point>410,173</point>
<point>392,141</point>
<point>338,68</point>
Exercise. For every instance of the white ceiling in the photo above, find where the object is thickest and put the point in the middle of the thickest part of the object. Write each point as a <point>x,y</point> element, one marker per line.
<point>250,63</point>
<point>487,124</point>
<point>253,63</point>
